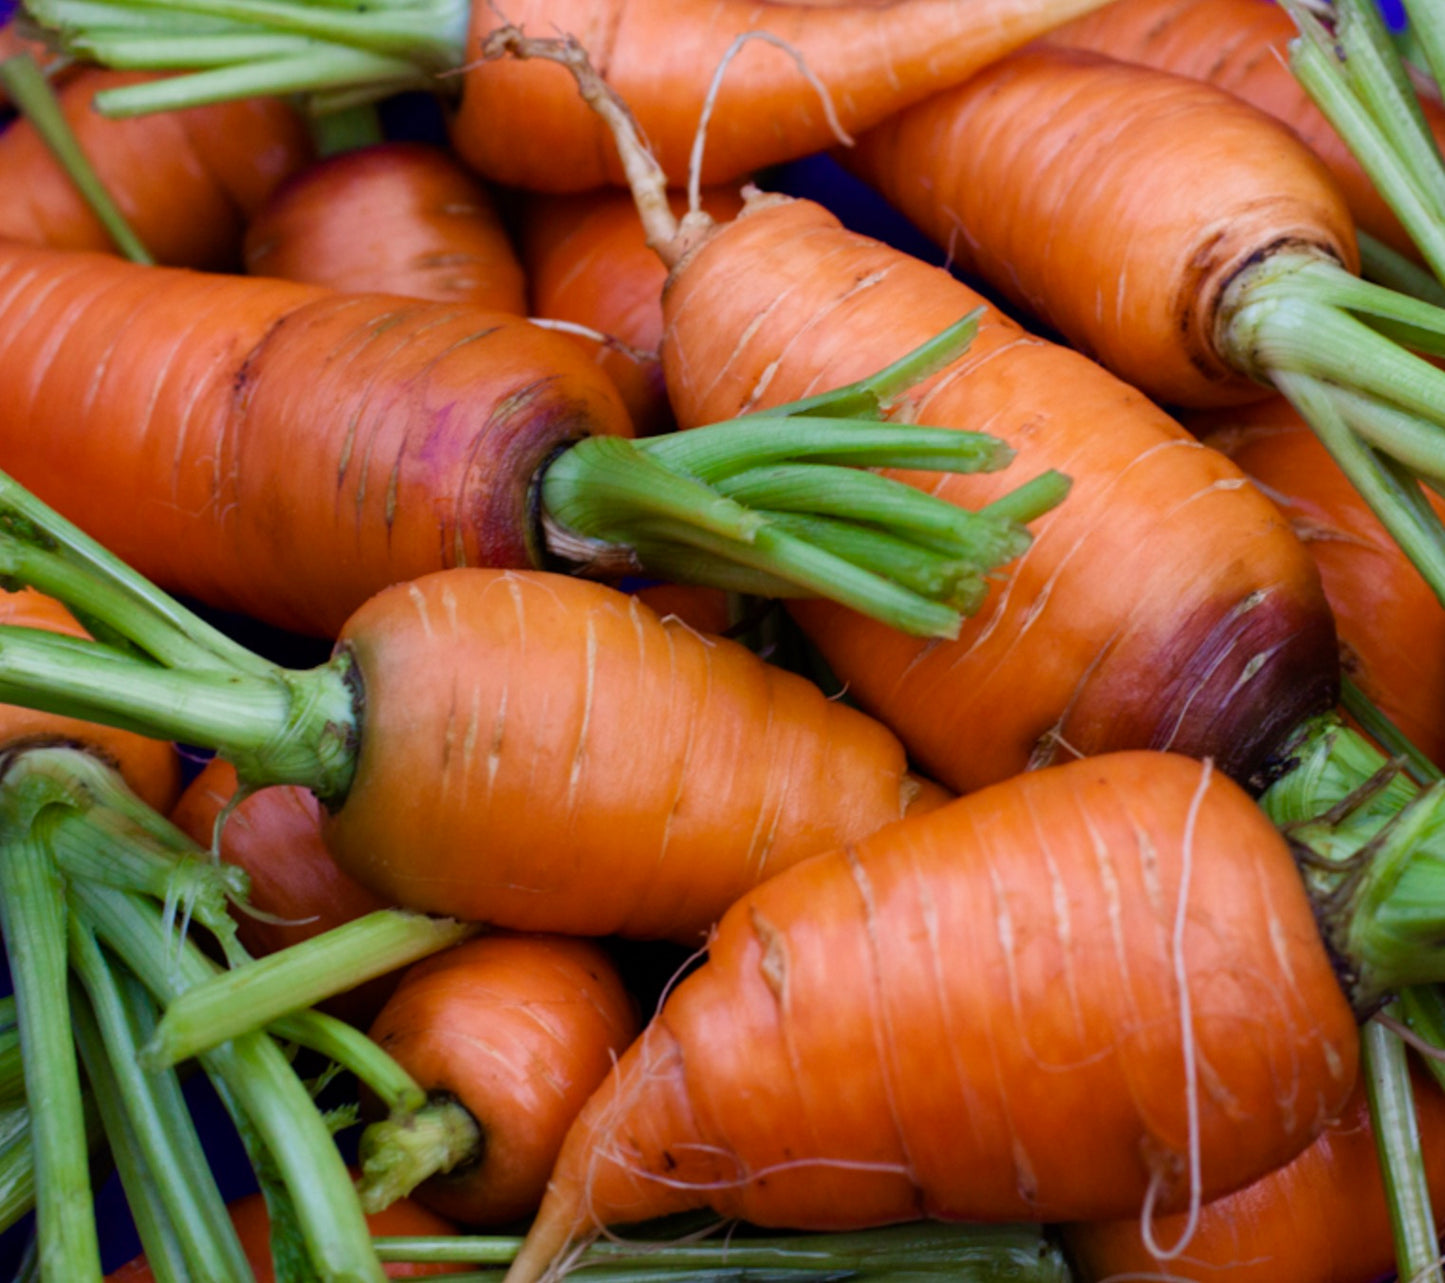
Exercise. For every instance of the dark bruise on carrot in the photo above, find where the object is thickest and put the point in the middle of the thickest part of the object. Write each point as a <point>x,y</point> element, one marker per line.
<point>1391,626</point>
<point>253,1224</point>
<point>186,181</point>
<point>1241,46</point>
<point>987,1060</point>
<point>297,890</point>
<point>1100,638</point>
<point>390,218</point>
<point>1145,304</point>
<point>282,449</point>
<point>150,767</point>
<point>519,1031</point>
<point>1322,1218</point>
<point>588,262</point>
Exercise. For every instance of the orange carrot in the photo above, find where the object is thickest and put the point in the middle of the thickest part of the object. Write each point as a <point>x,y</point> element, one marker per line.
<point>904,1028</point>
<point>1392,627</point>
<point>1320,1219</point>
<point>150,767</point>
<point>280,449</point>
<point>1241,46</point>
<point>295,885</point>
<point>1135,266</point>
<point>1100,638</point>
<point>186,181</point>
<point>389,218</point>
<point>253,1224</point>
<point>523,126</point>
<point>516,1030</point>
<point>588,263</point>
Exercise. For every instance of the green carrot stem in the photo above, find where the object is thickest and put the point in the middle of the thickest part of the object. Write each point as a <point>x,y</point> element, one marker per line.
<point>1422,1007</point>
<point>1397,1140</point>
<point>251,996</point>
<point>1384,732</point>
<point>17,1168</point>
<point>1427,29</point>
<point>963,1251</point>
<point>1390,268</point>
<point>161,1135</point>
<point>33,919</point>
<point>257,1077</point>
<point>398,1153</point>
<point>350,1049</point>
<point>143,1199</point>
<point>1372,846</point>
<point>29,90</point>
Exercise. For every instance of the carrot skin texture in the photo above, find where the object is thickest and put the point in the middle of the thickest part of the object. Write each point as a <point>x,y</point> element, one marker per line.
<point>1242,46</point>
<point>1321,1218</point>
<point>597,770</point>
<point>186,181</point>
<point>1391,625</point>
<point>392,218</point>
<point>524,125</point>
<point>520,1030</point>
<point>150,767</point>
<point>992,1059</point>
<point>275,835</point>
<point>1124,254</point>
<point>1163,604</point>
<point>248,1214</point>
<point>588,262</point>
<point>283,450</point>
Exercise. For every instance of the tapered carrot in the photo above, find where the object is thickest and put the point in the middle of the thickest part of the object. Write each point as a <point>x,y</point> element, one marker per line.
<point>297,890</point>
<point>588,263</point>
<point>389,218</point>
<point>523,126</point>
<point>1170,1028</point>
<point>1241,46</point>
<point>185,181</point>
<point>513,1033</point>
<point>1101,638</point>
<point>1392,627</point>
<point>1201,293</point>
<point>1322,1218</point>
<point>286,451</point>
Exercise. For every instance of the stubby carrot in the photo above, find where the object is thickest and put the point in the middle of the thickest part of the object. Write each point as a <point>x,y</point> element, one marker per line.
<point>297,890</point>
<point>588,263</point>
<point>389,218</point>
<point>1241,46</point>
<point>524,127</point>
<point>1098,984</point>
<point>1322,1218</point>
<point>185,181</point>
<point>1392,627</point>
<point>509,1035</point>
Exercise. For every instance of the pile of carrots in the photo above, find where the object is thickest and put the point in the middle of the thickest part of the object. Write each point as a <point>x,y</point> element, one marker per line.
<point>695,715</point>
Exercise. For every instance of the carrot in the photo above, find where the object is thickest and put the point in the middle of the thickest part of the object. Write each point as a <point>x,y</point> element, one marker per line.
<point>1392,627</point>
<point>185,181</point>
<point>1242,46</point>
<point>524,126</point>
<point>587,262</point>
<point>1322,1218</point>
<point>1172,1028</point>
<point>293,450</point>
<point>1207,288</point>
<point>517,1031</point>
<point>389,218</point>
<point>296,889</point>
<point>253,1224</point>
